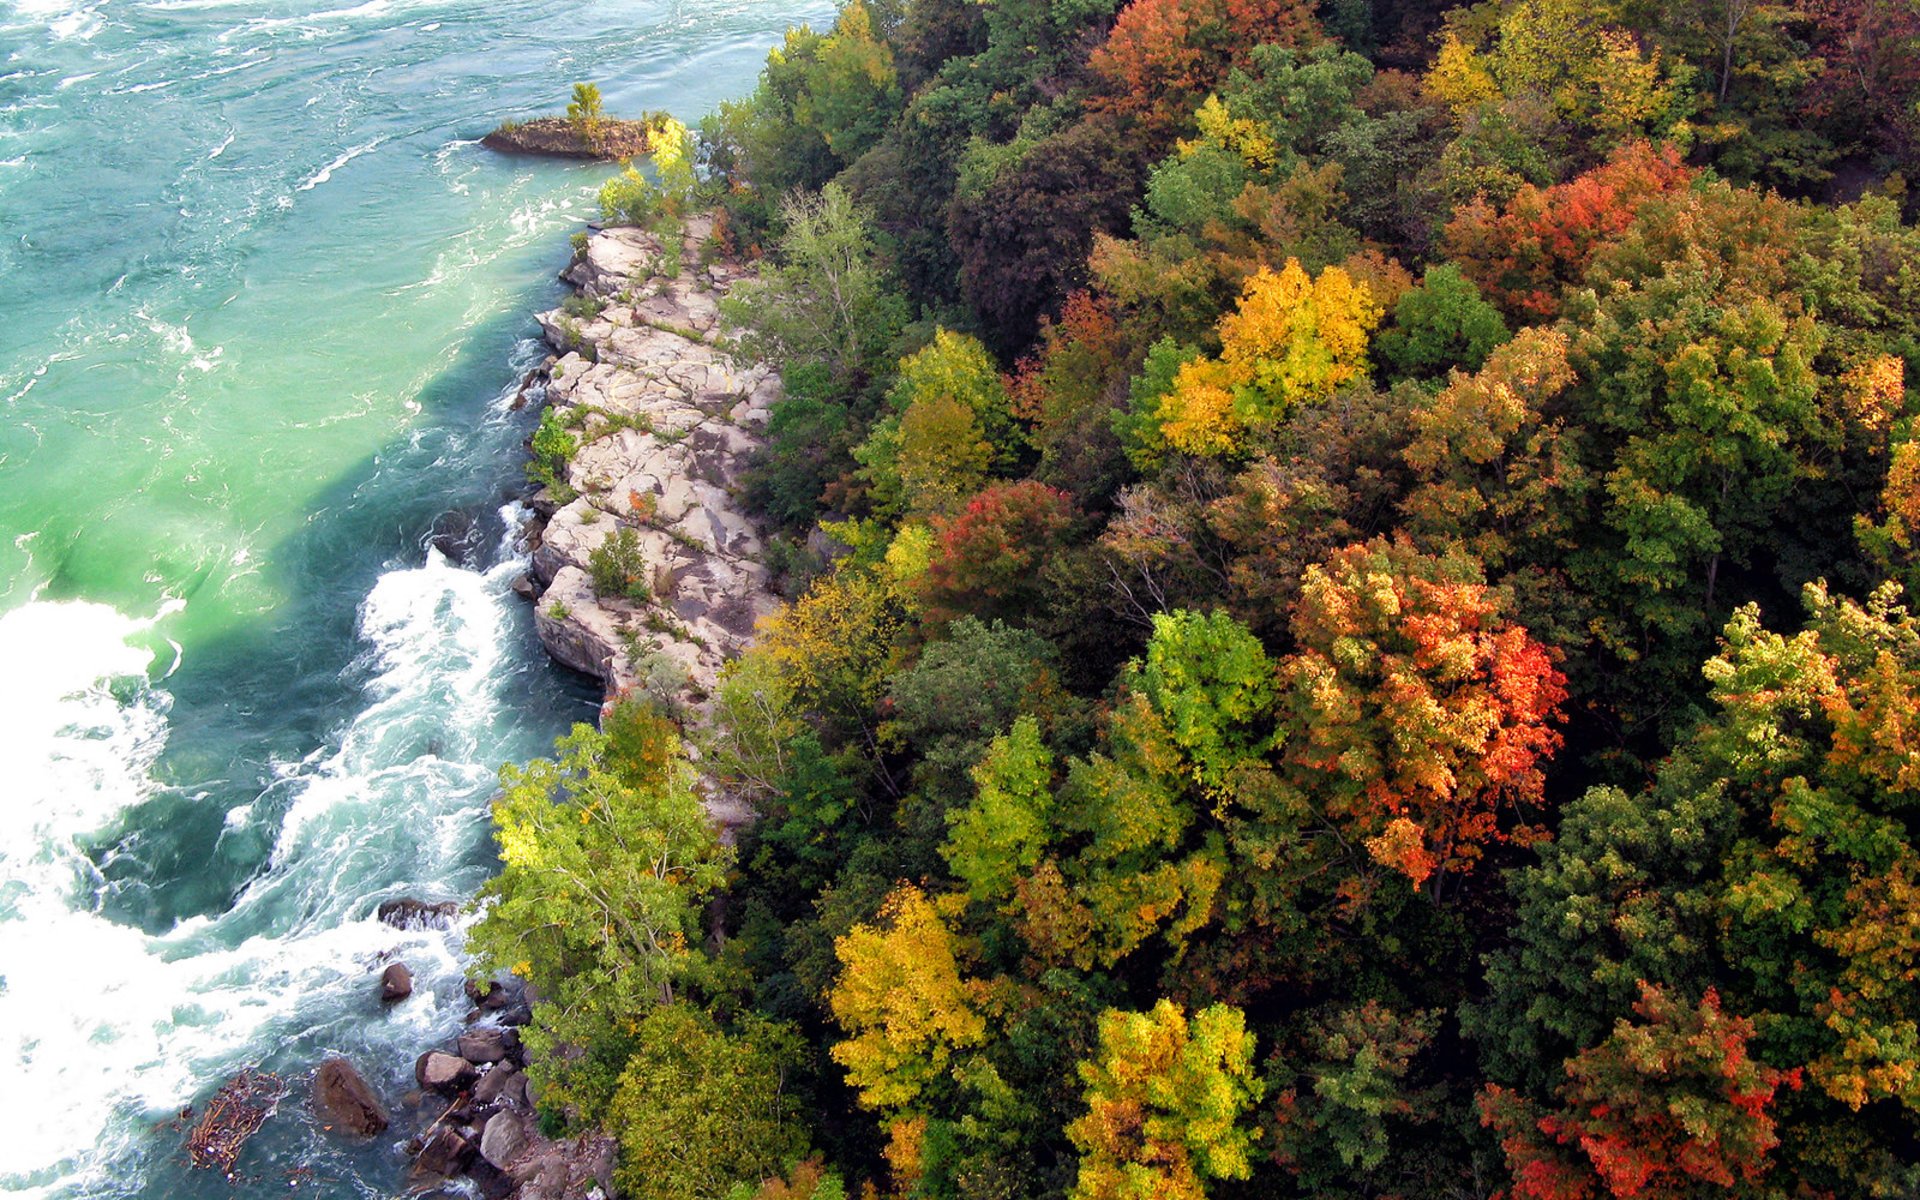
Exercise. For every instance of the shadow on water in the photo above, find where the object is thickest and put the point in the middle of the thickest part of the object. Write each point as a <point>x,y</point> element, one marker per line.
<point>249,707</point>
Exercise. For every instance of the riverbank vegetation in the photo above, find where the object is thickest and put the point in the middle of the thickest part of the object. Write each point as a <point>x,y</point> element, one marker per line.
<point>1347,632</point>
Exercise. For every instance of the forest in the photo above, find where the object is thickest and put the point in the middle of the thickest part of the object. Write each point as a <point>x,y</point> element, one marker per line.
<point>1348,627</point>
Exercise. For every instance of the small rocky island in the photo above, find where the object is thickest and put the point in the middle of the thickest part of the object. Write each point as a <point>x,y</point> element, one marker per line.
<point>557,137</point>
<point>585,132</point>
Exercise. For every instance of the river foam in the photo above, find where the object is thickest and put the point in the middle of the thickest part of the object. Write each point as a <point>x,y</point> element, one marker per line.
<point>111,1029</point>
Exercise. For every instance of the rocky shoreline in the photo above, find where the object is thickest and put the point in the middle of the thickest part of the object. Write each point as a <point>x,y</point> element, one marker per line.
<point>662,422</point>
<point>666,421</point>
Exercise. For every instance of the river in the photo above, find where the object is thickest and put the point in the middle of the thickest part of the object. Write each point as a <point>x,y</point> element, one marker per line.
<point>263,306</point>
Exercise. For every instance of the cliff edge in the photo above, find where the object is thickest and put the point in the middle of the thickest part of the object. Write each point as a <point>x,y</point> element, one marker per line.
<point>664,420</point>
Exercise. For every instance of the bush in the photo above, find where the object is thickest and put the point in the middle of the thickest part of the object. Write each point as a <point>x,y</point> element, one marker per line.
<point>553,446</point>
<point>631,198</point>
<point>619,567</point>
<point>582,306</point>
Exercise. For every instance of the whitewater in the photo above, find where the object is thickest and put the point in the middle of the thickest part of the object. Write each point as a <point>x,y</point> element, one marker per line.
<point>263,320</point>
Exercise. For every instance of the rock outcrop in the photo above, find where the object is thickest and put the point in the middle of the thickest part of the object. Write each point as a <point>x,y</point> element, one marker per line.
<point>666,420</point>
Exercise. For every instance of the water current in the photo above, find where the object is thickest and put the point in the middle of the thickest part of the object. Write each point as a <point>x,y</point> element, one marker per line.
<point>263,309</point>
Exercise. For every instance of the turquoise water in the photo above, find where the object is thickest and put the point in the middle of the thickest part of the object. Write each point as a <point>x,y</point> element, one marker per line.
<point>263,307</point>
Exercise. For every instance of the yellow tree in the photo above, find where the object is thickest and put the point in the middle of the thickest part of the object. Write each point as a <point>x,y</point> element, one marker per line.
<point>1164,1100</point>
<point>901,999</point>
<point>1293,339</point>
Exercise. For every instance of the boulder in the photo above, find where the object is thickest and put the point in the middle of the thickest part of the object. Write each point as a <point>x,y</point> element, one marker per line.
<point>489,1044</point>
<point>344,1101</point>
<point>496,1085</point>
<point>446,1073</point>
<point>396,983</point>
<point>408,913</point>
<point>446,1152</point>
<point>503,1137</point>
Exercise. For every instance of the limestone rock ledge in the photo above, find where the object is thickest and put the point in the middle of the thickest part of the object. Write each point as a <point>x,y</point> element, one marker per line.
<point>666,421</point>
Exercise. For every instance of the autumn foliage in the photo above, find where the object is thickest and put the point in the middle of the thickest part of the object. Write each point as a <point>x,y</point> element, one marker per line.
<point>1666,1104</point>
<point>1293,339</point>
<point>1343,565</point>
<point>1524,254</point>
<point>991,558</point>
<point>1164,56</point>
<point>1416,714</point>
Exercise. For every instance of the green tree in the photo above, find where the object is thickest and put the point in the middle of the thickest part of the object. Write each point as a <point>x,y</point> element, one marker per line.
<point>606,862</point>
<point>1003,834</point>
<point>1707,422</point>
<point>1214,684</point>
<point>1343,1111</point>
<point>700,1109</point>
<point>967,689</point>
<point>1441,325</point>
<point>587,115</point>
<point>827,299</point>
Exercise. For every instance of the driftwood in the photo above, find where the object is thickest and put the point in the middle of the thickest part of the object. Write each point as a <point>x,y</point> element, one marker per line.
<point>236,1113</point>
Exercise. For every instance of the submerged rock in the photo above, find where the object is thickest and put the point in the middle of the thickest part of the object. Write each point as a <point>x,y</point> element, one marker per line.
<point>409,913</point>
<point>344,1101</point>
<point>455,534</point>
<point>396,983</point>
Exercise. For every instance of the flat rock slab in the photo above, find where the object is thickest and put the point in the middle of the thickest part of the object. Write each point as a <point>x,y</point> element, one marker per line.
<point>667,422</point>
